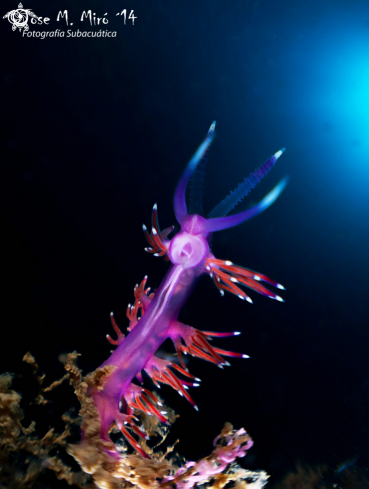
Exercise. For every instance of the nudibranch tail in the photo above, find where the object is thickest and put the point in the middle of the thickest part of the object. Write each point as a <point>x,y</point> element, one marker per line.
<point>180,207</point>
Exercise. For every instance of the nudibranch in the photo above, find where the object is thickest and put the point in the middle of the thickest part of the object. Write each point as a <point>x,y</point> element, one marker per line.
<point>154,316</point>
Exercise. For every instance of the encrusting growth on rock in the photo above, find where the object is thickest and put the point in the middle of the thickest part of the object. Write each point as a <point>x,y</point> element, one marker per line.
<point>98,467</point>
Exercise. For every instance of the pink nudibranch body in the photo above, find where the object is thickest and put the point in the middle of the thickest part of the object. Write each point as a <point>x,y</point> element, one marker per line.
<point>190,256</point>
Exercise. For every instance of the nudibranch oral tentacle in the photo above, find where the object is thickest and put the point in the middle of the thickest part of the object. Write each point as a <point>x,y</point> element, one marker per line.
<point>180,207</point>
<point>153,317</point>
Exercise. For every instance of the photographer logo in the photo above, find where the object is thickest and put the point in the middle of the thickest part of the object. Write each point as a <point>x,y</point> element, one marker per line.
<point>19,18</point>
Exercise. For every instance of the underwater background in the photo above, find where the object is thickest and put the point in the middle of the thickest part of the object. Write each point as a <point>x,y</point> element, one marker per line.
<point>94,131</point>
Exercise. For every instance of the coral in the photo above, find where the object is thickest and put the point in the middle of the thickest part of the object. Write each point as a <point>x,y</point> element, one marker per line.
<point>109,472</point>
<point>24,456</point>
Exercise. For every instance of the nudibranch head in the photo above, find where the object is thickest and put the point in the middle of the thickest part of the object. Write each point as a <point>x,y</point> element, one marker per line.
<point>188,250</point>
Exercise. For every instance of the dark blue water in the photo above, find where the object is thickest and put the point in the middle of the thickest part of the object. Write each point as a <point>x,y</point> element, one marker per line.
<point>95,131</point>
